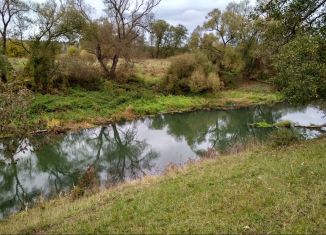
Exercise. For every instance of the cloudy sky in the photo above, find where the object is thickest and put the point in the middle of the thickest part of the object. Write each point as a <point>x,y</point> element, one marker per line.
<point>187,12</point>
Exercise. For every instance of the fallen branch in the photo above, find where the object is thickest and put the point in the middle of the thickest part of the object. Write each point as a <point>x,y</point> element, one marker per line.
<point>311,126</point>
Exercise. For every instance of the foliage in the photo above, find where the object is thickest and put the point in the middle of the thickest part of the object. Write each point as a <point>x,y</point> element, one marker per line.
<point>15,101</point>
<point>169,40</point>
<point>288,18</point>
<point>191,72</point>
<point>15,49</point>
<point>72,51</point>
<point>301,69</point>
<point>41,65</point>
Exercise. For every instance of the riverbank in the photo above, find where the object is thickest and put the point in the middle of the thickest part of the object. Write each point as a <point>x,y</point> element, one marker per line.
<point>77,109</point>
<point>265,190</point>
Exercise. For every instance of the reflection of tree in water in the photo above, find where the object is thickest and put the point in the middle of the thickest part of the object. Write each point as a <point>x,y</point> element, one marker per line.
<point>57,166</point>
<point>217,129</point>
<point>13,195</point>
<point>121,154</point>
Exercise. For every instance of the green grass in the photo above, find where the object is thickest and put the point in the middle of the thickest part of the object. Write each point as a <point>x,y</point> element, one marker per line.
<point>78,108</point>
<point>261,191</point>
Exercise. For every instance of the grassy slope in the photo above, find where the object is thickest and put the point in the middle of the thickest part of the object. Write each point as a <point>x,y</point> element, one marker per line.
<point>262,191</point>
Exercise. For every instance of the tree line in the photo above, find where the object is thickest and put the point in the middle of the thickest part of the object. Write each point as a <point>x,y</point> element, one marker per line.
<point>276,41</point>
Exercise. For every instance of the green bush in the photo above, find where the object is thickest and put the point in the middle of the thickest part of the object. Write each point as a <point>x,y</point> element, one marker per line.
<point>284,137</point>
<point>191,73</point>
<point>301,69</point>
<point>41,65</point>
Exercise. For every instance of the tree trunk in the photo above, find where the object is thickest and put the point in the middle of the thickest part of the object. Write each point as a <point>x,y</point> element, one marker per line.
<point>4,44</point>
<point>157,50</point>
<point>114,66</point>
<point>4,41</point>
<point>100,59</point>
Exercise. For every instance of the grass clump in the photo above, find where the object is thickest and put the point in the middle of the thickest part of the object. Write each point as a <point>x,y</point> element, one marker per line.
<point>266,190</point>
<point>284,137</point>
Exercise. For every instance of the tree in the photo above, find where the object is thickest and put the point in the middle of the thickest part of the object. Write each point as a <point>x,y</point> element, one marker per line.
<point>301,69</point>
<point>158,29</point>
<point>195,38</point>
<point>9,10</point>
<point>225,24</point>
<point>125,22</point>
<point>286,18</point>
<point>56,21</point>
<point>179,34</point>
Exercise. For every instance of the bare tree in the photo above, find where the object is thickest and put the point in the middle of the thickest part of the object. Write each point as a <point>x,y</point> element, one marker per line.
<point>9,9</point>
<point>126,21</point>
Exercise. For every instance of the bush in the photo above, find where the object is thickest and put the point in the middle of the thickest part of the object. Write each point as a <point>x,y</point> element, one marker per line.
<point>14,49</point>
<point>41,65</point>
<point>301,69</point>
<point>284,137</point>
<point>72,51</point>
<point>191,73</point>
<point>125,72</point>
<point>86,56</point>
<point>15,101</point>
<point>75,71</point>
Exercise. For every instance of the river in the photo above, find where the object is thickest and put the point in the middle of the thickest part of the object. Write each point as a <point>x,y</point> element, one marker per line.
<point>48,166</point>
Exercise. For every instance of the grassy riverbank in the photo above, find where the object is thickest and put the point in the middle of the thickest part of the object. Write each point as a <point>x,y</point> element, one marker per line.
<point>261,191</point>
<point>79,109</point>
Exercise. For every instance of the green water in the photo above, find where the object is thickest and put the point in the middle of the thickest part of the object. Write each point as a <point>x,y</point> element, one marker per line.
<point>126,151</point>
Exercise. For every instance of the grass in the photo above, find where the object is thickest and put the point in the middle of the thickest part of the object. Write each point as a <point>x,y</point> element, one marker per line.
<point>263,191</point>
<point>141,96</point>
<point>78,108</point>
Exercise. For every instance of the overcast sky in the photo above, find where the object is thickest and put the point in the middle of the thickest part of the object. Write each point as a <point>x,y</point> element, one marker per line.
<point>187,12</point>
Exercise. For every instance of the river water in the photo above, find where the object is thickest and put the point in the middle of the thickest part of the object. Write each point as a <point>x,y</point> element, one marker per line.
<point>126,151</point>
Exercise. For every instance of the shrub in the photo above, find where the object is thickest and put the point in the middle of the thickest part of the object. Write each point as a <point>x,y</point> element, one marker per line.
<point>191,73</point>
<point>284,137</point>
<point>15,101</point>
<point>125,72</point>
<point>72,51</point>
<point>41,65</point>
<point>14,49</point>
<point>86,56</point>
<point>77,72</point>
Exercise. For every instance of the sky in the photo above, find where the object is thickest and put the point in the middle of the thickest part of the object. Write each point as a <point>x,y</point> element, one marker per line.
<point>189,13</point>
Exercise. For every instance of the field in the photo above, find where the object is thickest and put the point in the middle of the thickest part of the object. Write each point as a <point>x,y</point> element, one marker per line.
<point>264,190</point>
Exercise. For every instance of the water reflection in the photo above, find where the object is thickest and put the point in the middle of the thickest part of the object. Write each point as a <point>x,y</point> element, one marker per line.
<point>127,151</point>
